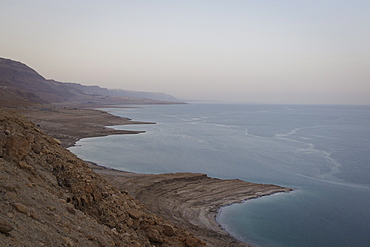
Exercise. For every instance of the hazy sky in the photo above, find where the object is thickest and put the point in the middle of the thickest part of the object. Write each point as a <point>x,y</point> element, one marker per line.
<point>267,51</point>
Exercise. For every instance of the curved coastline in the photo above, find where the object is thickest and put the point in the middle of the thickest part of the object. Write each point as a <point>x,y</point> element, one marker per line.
<point>191,200</point>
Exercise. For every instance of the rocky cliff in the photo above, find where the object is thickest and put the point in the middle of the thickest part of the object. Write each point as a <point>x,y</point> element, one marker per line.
<point>49,197</point>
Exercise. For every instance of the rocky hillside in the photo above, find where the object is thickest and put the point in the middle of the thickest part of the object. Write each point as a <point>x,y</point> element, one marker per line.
<point>24,84</point>
<point>49,197</point>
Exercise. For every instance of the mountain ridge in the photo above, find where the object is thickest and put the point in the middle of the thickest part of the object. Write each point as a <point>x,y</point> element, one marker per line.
<point>19,80</point>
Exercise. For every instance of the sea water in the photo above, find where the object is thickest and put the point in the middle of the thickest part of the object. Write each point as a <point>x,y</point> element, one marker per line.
<point>322,152</point>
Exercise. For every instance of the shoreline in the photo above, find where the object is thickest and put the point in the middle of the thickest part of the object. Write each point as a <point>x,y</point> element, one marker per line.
<point>190,200</point>
<point>70,124</point>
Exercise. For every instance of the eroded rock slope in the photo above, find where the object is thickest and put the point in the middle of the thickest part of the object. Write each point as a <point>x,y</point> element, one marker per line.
<point>49,197</point>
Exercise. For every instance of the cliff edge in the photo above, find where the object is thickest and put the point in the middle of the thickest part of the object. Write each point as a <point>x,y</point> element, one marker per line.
<point>49,197</point>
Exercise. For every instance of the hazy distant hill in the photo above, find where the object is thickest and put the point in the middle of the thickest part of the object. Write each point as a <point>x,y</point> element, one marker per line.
<point>122,93</point>
<point>21,85</point>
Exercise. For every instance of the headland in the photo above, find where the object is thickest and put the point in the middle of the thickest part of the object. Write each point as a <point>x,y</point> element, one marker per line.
<point>190,200</point>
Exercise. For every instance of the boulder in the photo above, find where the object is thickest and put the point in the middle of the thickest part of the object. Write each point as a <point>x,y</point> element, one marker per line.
<point>135,213</point>
<point>17,146</point>
<point>168,230</point>
<point>190,241</point>
<point>5,227</point>
<point>20,208</point>
<point>154,235</point>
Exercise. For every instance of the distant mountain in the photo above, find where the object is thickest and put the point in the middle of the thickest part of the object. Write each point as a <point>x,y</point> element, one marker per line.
<point>122,93</point>
<point>21,85</point>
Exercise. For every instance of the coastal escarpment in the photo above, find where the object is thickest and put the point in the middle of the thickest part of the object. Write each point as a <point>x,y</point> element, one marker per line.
<point>46,188</point>
<point>191,200</point>
<point>49,197</point>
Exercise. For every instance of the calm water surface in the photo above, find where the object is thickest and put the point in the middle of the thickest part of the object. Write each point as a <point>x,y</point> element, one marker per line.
<point>323,152</point>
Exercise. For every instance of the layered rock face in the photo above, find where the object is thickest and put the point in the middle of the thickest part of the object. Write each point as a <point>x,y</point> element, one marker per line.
<point>190,200</point>
<point>49,197</point>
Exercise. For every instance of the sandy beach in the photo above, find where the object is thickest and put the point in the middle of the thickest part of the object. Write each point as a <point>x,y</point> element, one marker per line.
<point>190,200</point>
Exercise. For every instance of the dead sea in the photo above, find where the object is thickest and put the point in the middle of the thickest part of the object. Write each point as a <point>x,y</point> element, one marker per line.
<point>191,200</point>
<point>320,151</point>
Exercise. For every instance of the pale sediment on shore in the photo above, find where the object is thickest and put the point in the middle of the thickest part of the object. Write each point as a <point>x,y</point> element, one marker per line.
<point>188,199</point>
<point>72,124</point>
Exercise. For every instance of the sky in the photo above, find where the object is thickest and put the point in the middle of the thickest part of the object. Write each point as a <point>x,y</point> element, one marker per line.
<point>252,51</point>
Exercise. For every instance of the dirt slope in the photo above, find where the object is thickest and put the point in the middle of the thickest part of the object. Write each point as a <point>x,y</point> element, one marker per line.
<point>49,197</point>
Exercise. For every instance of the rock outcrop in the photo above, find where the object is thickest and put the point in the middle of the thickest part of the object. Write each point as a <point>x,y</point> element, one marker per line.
<point>49,197</point>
